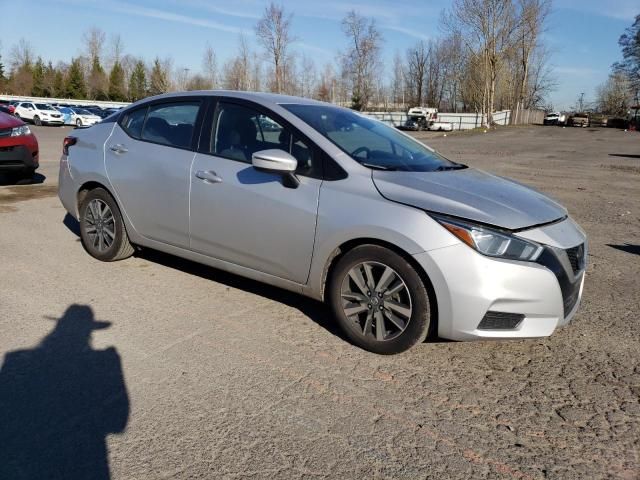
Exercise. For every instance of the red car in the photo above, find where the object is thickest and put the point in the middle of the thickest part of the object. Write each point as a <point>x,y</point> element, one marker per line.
<point>18,147</point>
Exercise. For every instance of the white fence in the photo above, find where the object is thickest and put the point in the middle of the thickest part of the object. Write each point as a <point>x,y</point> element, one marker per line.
<point>103,104</point>
<point>460,121</point>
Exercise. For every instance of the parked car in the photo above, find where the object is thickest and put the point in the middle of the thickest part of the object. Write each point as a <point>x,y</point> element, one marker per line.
<point>18,147</point>
<point>39,113</point>
<point>79,117</point>
<point>99,112</point>
<point>440,126</point>
<point>398,240</point>
<point>579,120</point>
<point>556,118</point>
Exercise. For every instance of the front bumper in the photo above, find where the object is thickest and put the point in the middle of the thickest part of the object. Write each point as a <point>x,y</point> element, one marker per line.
<point>468,285</point>
<point>53,121</point>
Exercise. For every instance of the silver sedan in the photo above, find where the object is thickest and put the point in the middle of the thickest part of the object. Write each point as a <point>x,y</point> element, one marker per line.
<point>399,241</point>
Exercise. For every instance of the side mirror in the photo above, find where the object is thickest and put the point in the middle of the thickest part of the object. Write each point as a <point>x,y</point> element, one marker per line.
<point>277,161</point>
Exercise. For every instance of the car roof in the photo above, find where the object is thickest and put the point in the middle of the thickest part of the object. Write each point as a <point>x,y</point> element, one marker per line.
<point>259,97</point>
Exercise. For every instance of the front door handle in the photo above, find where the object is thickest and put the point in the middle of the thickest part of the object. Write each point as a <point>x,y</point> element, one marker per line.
<point>118,148</point>
<point>208,176</point>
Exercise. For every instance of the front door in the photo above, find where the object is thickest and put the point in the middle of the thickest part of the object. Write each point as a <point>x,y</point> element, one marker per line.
<point>248,217</point>
<point>148,160</point>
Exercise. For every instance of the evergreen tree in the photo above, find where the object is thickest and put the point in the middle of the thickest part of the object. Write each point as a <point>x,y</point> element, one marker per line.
<point>158,82</point>
<point>138,82</point>
<point>37,88</point>
<point>116,83</point>
<point>3,79</point>
<point>75,85</point>
<point>97,81</point>
<point>59,88</point>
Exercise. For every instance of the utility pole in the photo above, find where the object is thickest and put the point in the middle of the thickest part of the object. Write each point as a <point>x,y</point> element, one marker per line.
<point>581,101</point>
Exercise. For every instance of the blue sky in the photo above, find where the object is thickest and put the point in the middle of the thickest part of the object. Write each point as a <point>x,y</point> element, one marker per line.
<point>582,34</point>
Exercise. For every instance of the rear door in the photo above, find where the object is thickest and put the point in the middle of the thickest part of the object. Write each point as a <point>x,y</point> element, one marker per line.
<point>148,159</point>
<point>245,216</point>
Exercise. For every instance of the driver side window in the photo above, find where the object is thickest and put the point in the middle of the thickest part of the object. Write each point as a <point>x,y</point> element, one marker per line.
<point>241,131</point>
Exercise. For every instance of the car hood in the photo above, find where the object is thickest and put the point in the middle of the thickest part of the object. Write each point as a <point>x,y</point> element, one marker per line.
<point>9,121</point>
<point>471,194</point>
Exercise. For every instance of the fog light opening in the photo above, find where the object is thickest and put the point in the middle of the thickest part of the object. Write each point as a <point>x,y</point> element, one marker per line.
<point>500,321</point>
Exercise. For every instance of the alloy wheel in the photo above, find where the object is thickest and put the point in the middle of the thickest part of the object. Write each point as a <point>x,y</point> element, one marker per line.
<point>100,225</point>
<point>377,300</point>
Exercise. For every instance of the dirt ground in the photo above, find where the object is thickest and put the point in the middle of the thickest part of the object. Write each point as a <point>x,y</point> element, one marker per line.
<point>166,369</point>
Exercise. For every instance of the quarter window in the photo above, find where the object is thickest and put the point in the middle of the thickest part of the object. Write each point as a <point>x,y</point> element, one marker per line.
<point>133,121</point>
<point>171,124</point>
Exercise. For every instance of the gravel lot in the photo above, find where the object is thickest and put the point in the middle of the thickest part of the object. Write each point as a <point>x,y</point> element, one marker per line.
<point>201,374</point>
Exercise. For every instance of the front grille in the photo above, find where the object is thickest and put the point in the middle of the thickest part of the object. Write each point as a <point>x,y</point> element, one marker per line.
<point>6,149</point>
<point>500,321</point>
<point>576,258</point>
<point>570,287</point>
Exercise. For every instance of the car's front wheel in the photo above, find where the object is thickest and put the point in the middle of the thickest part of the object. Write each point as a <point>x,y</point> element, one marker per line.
<point>78,123</point>
<point>37,121</point>
<point>379,300</point>
<point>102,229</point>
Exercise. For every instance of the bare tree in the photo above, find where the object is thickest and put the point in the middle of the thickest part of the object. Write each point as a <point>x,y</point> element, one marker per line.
<point>417,63</point>
<point>237,70</point>
<point>273,32</point>
<point>21,55</point>
<point>117,48</point>
<point>532,15</point>
<point>362,58</point>
<point>94,39</point>
<point>210,67</point>
<point>487,28</point>
<point>614,96</point>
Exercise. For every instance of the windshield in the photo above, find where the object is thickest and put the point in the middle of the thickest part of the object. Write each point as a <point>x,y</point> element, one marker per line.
<point>369,142</point>
<point>82,111</point>
<point>42,106</point>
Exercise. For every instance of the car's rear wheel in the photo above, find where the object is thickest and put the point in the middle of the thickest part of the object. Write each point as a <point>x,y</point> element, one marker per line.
<point>37,121</point>
<point>102,229</point>
<point>379,300</point>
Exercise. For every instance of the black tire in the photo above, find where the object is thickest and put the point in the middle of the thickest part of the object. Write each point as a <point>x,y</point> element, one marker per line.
<point>37,121</point>
<point>120,247</point>
<point>78,123</point>
<point>416,328</point>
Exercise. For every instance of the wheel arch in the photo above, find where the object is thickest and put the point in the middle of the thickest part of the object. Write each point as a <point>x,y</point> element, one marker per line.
<point>349,245</point>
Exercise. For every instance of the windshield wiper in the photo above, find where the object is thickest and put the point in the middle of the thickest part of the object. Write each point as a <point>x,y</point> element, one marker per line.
<point>457,166</point>
<point>378,167</point>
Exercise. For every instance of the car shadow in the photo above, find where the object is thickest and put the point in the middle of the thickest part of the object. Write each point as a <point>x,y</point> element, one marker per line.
<point>8,179</point>
<point>315,310</point>
<point>624,155</point>
<point>59,401</point>
<point>627,247</point>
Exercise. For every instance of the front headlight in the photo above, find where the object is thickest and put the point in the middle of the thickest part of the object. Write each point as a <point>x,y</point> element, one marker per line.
<point>490,242</point>
<point>19,131</point>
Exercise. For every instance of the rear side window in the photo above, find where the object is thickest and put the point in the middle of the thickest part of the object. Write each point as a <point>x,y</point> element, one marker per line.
<point>171,124</point>
<point>133,121</point>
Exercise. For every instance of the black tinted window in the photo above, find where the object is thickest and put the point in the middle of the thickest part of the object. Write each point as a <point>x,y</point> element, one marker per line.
<point>133,121</point>
<point>242,131</point>
<point>171,124</point>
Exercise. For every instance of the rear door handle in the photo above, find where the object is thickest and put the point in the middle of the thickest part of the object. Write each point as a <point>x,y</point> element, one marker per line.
<point>208,176</point>
<point>118,148</point>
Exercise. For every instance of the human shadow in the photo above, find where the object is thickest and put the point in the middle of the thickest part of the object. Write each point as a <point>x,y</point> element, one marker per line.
<point>59,401</point>
<point>627,247</point>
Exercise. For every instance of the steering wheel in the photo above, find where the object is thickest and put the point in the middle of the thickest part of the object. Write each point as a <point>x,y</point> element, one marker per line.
<point>359,150</point>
